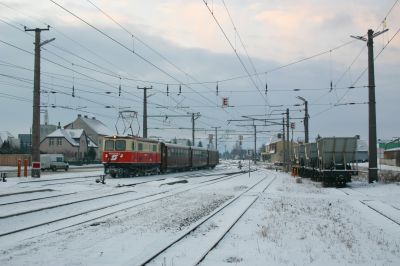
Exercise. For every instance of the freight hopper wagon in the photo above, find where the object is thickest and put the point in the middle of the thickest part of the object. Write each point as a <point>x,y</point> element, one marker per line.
<point>309,169</point>
<point>300,158</point>
<point>336,160</point>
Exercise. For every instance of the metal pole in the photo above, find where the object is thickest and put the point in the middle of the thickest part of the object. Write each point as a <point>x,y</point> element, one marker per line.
<point>306,122</point>
<point>216,137</point>
<point>255,144</point>
<point>36,104</point>
<point>287,140</point>
<point>284,141</point>
<point>373,164</point>
<point>372,139</point>
<point>193,144</point>
<point>145,110</point>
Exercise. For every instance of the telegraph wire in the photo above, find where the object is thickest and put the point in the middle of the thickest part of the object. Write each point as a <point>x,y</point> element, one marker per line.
<point>156,52</point>
<point>119,43</point>
<point>242,43</point>
<point>233,48</point>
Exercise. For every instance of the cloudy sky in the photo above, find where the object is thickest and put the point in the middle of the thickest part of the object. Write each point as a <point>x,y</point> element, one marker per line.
<point>297,48</point>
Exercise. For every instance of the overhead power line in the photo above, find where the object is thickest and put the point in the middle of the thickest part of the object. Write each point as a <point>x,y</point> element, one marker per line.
<point>234,50</point>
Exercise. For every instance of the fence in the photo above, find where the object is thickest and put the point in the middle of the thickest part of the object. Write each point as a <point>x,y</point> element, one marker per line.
<point>12,159</point>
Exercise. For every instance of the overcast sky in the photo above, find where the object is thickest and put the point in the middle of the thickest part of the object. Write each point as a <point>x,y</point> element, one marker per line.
<point>179,42</point>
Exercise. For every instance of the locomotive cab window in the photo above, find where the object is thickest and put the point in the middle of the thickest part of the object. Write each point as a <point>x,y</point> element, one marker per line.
<point>120,145</point>
<point>133,146</point>
<point>109,145</point>
<point>154,148</point>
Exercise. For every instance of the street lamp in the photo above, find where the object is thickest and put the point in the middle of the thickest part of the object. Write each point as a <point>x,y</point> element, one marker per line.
<point>305,118</point>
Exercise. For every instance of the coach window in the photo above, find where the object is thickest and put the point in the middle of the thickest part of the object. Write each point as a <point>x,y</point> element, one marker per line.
<point>120,145</point>
<point>109,145</point>
<point>140,146</point>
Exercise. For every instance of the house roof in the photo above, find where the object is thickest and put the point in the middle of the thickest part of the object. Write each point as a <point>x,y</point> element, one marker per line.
<point>97,126</point>
<point>69,134</point>
<point>274,139</point>
<point>91,143</point>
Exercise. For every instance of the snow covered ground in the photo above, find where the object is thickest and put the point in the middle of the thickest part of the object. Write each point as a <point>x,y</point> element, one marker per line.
<point>286,223</point>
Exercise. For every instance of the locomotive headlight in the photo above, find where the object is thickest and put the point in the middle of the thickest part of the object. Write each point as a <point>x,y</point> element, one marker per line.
<point>106,155</point>
<point>121,155</point>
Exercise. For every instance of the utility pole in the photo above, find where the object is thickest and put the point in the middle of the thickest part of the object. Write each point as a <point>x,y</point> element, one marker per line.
<point>287,140</point>
<point>284,141</point>
<point>194,117</point>
<point>372,141</point>
<point>36,103</point>
<point>145,109</point>
<point>255,144</point>
<point>216,137</point>
<point>306,117</point>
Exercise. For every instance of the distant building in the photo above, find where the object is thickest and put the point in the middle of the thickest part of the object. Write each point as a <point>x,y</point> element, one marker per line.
<point>72,143</point>
<point>94,129</point>
<point>274,150</point>
<point>392,156</point>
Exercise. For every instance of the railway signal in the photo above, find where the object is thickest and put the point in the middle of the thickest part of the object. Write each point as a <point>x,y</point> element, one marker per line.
<point>225,102</point>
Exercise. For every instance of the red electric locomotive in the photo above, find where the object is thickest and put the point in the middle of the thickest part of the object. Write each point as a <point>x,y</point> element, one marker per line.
<point>130,156</point>
<point>127,155</point>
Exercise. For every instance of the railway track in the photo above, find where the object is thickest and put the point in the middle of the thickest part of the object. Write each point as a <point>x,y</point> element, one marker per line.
<point>180,251</point>
<point>388,211</point>
<point>79,217</point>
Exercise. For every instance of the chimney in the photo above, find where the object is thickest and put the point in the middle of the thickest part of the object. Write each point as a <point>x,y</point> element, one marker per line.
<point>79,115</point>
<point>94,118</point>
<point>85,116</point>
<point>59,125</point>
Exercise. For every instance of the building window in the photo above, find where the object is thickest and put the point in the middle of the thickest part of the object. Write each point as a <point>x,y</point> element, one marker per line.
<point>51,142</point>
<point>59,141</point>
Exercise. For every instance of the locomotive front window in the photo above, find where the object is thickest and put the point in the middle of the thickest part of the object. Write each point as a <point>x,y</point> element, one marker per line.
<point>109,145</point>
<point>120,145</point>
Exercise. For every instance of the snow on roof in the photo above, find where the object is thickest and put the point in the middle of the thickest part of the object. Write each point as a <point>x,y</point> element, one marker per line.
<point>75,133</point>
<point>274,139</point>
<point>97,126</point>
<point>394,149</point>
<point>91,143</point>
<point>65,133</point>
